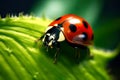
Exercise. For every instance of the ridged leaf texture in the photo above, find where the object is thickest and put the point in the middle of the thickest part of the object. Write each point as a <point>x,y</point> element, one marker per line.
<point>21,58</point>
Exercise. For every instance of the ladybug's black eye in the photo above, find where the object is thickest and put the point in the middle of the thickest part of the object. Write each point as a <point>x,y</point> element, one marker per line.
<point>58,19</point>
<point>72,28</point>
<point>85,24</point>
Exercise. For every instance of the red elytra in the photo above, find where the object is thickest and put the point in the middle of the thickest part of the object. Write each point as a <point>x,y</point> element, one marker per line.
<point>75,29</point>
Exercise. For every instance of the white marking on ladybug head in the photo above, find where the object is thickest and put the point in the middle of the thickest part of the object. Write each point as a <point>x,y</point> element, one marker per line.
<point>48,34</point>
<point>50,43</point>
<point>61,37</point>
<point>52,37</point>
<point>74,21</point>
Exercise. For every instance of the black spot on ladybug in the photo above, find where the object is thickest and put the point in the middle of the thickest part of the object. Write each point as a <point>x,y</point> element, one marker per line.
<point>86,36</point>
<point>85,24</point>
<point>92,37</point>
<point>58,19</point>
<point>72,28</point>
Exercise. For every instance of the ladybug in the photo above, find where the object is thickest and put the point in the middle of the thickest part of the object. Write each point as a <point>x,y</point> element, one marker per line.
<point>71,28</point>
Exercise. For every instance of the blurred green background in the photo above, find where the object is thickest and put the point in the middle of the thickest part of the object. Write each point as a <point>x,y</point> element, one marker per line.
<point>103,15</point>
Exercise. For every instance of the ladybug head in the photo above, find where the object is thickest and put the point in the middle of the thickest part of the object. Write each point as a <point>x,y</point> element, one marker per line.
<point>52,37</point>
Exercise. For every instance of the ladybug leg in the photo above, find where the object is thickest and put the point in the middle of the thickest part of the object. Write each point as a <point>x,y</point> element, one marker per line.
<point>89,55</point>
<point>56,55</point>
<point>77,55</point>
<point>57,45</point>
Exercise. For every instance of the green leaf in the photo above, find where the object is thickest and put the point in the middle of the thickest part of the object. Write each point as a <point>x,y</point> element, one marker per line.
<point>21,58</point>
